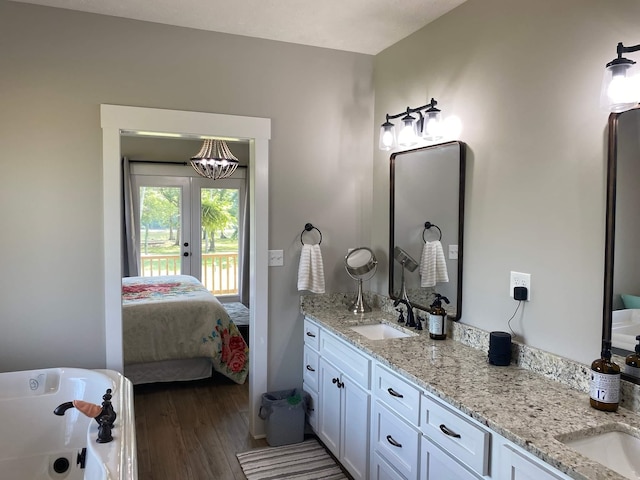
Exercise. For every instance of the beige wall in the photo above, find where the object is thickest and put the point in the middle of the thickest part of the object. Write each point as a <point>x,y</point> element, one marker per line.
<point>58,66</point>
<point>524,76</point>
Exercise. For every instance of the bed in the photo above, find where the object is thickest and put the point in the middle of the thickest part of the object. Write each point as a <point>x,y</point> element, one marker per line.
<point>174,329</point>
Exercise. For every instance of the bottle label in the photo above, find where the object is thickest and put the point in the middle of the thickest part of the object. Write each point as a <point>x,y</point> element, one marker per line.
<point>605,387</point>
<point>436,324</point>
<point>633,371</point>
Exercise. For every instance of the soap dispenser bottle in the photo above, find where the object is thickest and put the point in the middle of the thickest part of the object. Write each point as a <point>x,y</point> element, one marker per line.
<point>604,389</point>
<point>632,362</point>
<point>438,318</point>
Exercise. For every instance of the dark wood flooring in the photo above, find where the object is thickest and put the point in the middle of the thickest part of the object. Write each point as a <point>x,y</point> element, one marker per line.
<point>192,430</point>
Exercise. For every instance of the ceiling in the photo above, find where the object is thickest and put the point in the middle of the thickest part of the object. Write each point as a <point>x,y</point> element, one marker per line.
<point>362,26</point>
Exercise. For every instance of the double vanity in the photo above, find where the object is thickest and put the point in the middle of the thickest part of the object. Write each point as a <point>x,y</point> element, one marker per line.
<point>391,403</point>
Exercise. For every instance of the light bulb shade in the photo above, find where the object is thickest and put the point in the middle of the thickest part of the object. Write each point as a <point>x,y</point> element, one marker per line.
<point>432,125</point>
<point>214,160</point>
<point>387,136</point>
<point>407,136</point>
<point>620,86</point>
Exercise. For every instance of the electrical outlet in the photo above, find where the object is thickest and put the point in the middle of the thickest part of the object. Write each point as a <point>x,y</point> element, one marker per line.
<point>519,279</point>
<point>276,258</point>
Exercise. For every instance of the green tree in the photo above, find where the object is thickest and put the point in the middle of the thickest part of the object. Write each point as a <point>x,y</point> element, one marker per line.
<point>219,211</point>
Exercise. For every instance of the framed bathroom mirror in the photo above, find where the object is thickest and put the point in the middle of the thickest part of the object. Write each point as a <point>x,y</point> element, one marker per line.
<point>621,306</point>
<point>426,224</point>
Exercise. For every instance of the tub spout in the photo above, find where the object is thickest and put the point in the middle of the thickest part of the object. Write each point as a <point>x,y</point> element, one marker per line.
<point>63,407</point>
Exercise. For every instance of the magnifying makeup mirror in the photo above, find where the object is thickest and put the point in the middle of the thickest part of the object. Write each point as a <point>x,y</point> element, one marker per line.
<point>408,263</point>
<point>361,264</point>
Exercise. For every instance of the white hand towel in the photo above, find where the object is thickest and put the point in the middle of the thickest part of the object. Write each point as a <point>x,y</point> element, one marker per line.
<point>433,265</point>
<point>310,270</point>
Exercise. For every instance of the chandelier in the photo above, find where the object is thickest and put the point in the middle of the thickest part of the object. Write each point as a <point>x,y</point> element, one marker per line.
<point>214,160</point>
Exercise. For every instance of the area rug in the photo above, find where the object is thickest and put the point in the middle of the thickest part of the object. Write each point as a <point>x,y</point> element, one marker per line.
<point>300,461</point>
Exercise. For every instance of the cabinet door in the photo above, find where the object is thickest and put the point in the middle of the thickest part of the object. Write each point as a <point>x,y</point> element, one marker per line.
<point>355,428</point>
<point>517,466</point>
<point>329,407</point>
<point>381,470</point>
<point>435,464</point>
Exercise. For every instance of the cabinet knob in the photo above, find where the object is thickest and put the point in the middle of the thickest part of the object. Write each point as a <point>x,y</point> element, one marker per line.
<point>393,393</point>
<point>309,334</point>
<point>310,368</point>
<point>446,431</point>
<point>393,442</point>
<point>337,382</point>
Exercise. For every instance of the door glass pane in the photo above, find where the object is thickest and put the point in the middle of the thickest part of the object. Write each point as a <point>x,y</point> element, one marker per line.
<point>160,231</point>
<point>219,218</point>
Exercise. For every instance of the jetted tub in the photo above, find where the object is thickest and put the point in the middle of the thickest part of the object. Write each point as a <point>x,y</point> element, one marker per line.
<point>35,444</point>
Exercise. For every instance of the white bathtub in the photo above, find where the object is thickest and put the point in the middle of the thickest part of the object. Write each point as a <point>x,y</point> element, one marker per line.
<point>35,444</point>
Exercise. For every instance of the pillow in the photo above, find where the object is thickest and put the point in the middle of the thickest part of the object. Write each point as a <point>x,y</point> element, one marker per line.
<point>630,301</point>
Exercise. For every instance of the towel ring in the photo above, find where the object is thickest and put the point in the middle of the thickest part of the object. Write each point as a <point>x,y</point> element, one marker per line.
<point>307,228</point>
<point>427,226</point>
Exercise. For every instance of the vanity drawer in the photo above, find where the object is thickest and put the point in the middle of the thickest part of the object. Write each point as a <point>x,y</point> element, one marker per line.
<point>397,393</point>
<point>347,359</point>
<point>396,441</point>
<point>311,335</point>
<point>460,437</point>
<point>310,369</point>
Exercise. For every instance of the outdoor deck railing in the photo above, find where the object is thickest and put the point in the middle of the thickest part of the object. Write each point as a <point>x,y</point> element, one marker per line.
<point>219,270</point>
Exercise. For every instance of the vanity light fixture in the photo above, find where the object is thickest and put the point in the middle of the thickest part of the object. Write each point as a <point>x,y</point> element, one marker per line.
<point>428,125</point>
<point>214,160</point>
<point>621,84</point>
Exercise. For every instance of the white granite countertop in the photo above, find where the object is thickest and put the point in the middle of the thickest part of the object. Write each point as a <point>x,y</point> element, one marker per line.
<point>530,410</point>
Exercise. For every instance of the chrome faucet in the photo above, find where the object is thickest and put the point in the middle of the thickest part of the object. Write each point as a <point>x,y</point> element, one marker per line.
<point>411,322</point>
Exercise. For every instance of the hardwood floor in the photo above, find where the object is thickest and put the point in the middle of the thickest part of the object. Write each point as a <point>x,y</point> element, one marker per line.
<point>192,430</point>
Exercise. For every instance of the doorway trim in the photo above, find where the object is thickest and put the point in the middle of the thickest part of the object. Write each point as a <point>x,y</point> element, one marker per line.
<point>114,120</point>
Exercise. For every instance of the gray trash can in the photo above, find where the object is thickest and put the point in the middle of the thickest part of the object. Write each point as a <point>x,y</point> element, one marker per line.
<point>284,414</point>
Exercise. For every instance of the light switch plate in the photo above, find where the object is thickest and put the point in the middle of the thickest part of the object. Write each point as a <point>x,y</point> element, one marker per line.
<point>276,258</point>
<point>453,252</point>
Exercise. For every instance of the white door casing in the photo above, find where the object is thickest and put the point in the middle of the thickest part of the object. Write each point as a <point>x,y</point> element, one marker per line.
<point>257,131</point>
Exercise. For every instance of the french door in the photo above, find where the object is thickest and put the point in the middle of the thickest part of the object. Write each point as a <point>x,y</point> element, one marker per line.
<point>190,226</point>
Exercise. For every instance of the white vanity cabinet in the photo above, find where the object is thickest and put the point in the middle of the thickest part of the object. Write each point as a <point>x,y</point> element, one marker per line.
<point>382,426</point>
<point>395,437</point>
<point>343,408</point>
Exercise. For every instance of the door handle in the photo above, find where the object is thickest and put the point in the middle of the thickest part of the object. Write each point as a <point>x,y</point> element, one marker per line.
<point>393,393</point>
<point>185,254</point>
<point>446,431</point>
<point>391,440</point>
<point>186,244</point>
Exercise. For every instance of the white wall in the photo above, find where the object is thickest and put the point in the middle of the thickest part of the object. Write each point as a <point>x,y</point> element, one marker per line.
<point>524,76</point>
<point>57,68</point>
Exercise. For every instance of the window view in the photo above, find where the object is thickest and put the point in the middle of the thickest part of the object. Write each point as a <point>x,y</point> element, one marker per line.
<point>163,243</point>
<point>219,218</point>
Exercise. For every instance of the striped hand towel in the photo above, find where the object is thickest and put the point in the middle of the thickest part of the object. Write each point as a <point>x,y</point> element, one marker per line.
<point>433,266</point>
<point>310,270</point>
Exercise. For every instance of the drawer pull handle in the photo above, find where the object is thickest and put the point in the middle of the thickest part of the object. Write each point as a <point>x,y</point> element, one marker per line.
<point>393,442</point>
<point>309,334</point>
<point>310,368</point>
<point>446,431</point>
<point>393,393</point>
<point>337,382</point>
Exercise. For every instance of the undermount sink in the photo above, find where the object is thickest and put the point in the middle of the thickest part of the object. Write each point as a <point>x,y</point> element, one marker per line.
<point>381,331</point>
<point>615,449</point>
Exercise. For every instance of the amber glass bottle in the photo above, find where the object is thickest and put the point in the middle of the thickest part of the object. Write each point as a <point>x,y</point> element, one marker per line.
<point>605,381</point>
<point>438,318</point>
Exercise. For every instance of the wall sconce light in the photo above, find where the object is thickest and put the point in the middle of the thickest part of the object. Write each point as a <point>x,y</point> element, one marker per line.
<point>428,125</point>
<point>621,83</point>
<point>214,160</point>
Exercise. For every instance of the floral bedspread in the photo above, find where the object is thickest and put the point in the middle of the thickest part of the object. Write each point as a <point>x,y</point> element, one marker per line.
<point>176,317</point>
